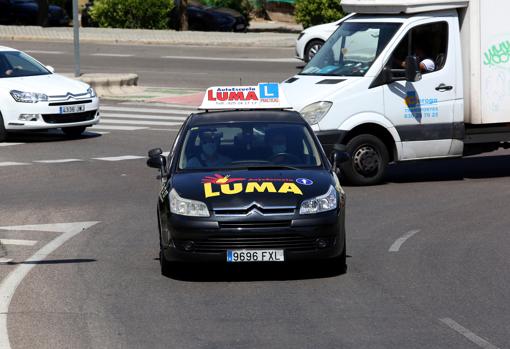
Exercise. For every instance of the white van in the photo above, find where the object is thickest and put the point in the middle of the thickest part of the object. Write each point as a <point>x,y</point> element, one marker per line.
<point>409,80</point>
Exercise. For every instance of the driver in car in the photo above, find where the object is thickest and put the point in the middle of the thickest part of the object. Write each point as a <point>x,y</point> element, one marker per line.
<point>279,149</point>
<point>209,155</point>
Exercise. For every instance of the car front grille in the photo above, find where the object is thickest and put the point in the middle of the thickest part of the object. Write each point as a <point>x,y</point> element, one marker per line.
<point>289,242</point>
<point>69,118</point>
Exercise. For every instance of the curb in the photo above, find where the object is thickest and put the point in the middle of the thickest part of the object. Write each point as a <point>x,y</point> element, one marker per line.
<point>112,84</point>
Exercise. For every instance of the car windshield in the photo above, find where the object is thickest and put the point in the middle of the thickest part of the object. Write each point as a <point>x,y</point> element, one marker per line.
<point>352,49</point>
<point>14,64</point>
<point>248,145</point>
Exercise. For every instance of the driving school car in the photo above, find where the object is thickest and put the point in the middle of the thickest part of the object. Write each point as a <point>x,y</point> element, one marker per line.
<point>248,182</point>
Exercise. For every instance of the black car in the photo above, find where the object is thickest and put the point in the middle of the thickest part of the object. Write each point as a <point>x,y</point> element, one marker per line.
<point>206,18</point>
<point>25,12</point>
<point>249,186</point>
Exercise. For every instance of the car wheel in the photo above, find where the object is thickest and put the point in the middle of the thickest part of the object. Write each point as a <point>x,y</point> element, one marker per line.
<point>369,159</point>
<point>3,132</point>
<point>74,132</point>
<point>312,48</point>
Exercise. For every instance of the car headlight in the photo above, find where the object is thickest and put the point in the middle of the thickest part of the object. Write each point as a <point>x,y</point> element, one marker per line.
<point>186,207</point>
<point>323,203</point>
<point>91,92</point>
<point>28,97</point>
<point>315,112</point>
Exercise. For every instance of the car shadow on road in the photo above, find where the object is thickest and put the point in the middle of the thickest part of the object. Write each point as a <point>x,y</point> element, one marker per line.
<point>450,170</point>
<point>216,272</point>
<point>46,137</point>
<point>56,261</point>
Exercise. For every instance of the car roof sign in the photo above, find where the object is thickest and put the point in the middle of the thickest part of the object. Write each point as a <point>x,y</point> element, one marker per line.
<point>263,96</point>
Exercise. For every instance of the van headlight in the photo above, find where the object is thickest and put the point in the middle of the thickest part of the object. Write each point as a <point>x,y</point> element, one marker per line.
<point>323,203</point>
<point>315,112</point>
<point>186,207</point>
<point>28,97</point>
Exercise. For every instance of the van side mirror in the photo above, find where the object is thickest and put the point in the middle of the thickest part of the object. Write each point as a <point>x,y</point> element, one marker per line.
<point>413,72</point>
<point>50,68</point>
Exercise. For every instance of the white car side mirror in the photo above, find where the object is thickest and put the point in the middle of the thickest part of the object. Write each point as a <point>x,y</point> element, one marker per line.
<point>50,68</point>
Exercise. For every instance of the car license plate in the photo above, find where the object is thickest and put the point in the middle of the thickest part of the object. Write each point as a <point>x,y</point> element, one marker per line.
<point>255,256</point>
<point>72,109</point>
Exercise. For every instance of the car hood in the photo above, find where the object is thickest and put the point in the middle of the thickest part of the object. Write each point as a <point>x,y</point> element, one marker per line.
<point>243,188</point>
<point>51,84</point>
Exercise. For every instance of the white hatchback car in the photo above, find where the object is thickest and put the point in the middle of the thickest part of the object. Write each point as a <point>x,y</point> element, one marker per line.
<point>33,97</point>
<point>311,39</point>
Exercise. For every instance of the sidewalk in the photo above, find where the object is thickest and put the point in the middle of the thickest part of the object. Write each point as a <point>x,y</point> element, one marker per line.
<point>145,36</point>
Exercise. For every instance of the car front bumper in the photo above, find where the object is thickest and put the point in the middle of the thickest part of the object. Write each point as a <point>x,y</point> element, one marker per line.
<point>46,115</point>
<point>202,240</point>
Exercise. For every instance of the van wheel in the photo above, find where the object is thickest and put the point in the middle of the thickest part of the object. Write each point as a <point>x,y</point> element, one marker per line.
<point>3,132</point>
<point>369,159</point>
<point>312,48</point>
<point>74,132</point>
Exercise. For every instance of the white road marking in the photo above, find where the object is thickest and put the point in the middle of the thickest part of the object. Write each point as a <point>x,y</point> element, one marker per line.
<point>18,242</point>
<point>59,161</point>
<point>164,129</point>
<point>10,283</point>
<point>396,245</point>
<point>145,110</point>
<point>5,260</point>
<point>482,343</point>
<point>45,52</point>
<point>120,158</point>
<point>235,59</point>
<point>139,122</point>
<point>114,127</point>
<point>111,55</point>
<point>145,117</point>
<point>163,106</point>
<point>9,144</point>
<point>10,163</point>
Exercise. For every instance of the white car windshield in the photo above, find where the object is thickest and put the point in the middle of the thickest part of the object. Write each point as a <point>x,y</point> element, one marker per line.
<point>14,64</point>
<point>352,49</point>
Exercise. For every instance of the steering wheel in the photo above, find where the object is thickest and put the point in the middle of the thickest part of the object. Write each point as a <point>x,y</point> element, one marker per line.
<point>286,156</point>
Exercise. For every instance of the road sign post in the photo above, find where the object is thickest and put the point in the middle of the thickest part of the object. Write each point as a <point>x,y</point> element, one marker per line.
<point>76,27</point>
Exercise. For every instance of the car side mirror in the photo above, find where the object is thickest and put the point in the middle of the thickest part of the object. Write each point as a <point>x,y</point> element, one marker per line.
<point>50,68</point>
<point>156,159</point>
<point>413,72</point>
<point>339,155</point>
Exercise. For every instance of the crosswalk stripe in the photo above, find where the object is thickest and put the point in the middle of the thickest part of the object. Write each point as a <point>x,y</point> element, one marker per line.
<point>139,122</point>
<point>145,117</point>
<point>5,144</point>
<point>58,161</point>
<point>145,110</point>
<point>18,242</point>
<point>115,127</point>
<point>11,163</point>
<point>120,158</point>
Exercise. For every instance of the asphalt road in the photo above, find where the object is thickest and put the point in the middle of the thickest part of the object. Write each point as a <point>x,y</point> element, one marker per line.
<point>193,67</point>
<point>428,257</point>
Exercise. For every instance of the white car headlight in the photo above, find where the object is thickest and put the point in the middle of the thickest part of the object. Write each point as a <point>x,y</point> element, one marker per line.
<point>91,92</point>
<point>315,112</point>
<point>186,207</point>
<point>28,97</point>
<point>323,203</point>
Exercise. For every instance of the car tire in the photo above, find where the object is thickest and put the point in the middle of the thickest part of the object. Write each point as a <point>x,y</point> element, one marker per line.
<point>74,132</point>
<point>3,132</point>
<point>312,48</point>
<point>368,162</point>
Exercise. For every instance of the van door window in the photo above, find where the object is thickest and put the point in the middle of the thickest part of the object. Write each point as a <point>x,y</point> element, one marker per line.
<point>428,42</point>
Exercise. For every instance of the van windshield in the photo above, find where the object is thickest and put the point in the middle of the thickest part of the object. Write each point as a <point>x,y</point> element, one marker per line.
<point>352,49</point>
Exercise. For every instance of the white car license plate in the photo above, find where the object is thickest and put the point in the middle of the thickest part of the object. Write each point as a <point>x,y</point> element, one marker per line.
<point>255,256</point>
<point>72,109</point>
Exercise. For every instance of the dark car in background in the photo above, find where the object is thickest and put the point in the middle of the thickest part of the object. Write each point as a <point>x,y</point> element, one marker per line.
<point>206,18</point>
<point>24,12</point>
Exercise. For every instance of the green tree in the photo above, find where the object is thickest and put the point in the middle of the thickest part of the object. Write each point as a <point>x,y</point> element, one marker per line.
<point>136,14</point>
<point>313,12</point>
